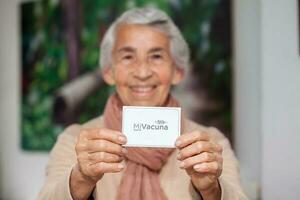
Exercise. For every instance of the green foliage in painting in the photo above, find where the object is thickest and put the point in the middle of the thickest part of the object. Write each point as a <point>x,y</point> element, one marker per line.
<point>45,65</point>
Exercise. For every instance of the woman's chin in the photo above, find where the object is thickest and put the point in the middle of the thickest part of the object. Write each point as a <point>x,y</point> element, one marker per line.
<point>142,103</point>
<point>143,99</point>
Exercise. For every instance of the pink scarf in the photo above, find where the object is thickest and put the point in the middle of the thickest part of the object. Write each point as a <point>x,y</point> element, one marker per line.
<point>141,175</point>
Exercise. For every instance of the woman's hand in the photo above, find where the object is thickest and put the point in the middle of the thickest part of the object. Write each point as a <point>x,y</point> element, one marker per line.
<point>202,159</point>
<point>98,151</point>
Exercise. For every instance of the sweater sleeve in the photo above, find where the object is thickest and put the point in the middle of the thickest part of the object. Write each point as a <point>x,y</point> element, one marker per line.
<point>61,162</point>
<point>230,177</point>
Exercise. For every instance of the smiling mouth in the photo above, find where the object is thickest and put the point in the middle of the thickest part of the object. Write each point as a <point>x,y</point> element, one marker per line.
<point>143,90</point>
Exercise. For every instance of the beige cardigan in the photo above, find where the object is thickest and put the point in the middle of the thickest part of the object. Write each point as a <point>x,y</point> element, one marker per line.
<point>174,181</point>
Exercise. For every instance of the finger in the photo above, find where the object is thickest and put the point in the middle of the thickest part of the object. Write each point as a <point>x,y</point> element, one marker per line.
<point>208,167</point>
<point>104,157</point>
<point>105,146</point>
<point>200,158</point>
<point>189,138</point>
<point>105,134</point>
<point>197,148</point>
<point>102,167</point>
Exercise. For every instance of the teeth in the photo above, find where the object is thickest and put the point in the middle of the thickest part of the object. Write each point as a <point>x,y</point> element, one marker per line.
<point>142,88</point>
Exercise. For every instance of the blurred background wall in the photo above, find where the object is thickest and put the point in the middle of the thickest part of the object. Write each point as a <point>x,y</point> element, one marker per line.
<point>266,102</point>
<point>267,96</point>
<point>21,172</point>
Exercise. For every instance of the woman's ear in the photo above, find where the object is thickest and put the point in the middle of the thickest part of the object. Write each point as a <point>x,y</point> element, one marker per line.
<point>178,75</point>
<point>108,76</point>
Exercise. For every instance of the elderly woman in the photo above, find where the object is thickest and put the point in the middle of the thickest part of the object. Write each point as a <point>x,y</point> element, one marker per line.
<point>142,54</point>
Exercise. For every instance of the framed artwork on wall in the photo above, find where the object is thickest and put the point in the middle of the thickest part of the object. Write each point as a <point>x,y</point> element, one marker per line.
<point>60,54</point>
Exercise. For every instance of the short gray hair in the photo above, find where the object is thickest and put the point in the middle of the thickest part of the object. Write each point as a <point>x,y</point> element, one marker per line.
<point>151,17</point>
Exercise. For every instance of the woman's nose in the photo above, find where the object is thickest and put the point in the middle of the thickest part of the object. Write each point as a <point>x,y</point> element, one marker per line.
<point>143,71</point>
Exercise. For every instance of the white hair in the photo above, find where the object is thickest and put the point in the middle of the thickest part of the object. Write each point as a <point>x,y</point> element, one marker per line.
<point>151,17</point>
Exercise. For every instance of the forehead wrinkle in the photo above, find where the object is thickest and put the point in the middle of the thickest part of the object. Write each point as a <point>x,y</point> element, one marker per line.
<point>156,49</point>
<point>130,42</point>
<point>126,49</point>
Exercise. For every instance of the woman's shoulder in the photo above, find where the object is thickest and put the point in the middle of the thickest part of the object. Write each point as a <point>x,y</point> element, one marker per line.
<point>190,125</point>
<point>94,123</point>
<point>73,130</point>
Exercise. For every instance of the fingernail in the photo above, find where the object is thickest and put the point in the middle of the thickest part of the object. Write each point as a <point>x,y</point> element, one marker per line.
<point>120,166</point>
<point>197,166</point>
<point>122,139</point>
<point>181,164</point>
<point>178,143</point>
<point>200,167</point>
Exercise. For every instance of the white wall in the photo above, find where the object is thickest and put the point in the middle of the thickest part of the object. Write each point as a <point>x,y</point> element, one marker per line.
<point>247,92</point>
<point>21,173</point>
<point>280,100</point>
<point>268,61</point>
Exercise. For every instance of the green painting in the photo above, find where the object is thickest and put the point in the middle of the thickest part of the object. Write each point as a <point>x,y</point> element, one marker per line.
<point>61,83</point>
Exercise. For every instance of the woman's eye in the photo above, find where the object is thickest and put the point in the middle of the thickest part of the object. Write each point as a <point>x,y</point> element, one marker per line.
<point>127,57</point>
<point>156,56</point>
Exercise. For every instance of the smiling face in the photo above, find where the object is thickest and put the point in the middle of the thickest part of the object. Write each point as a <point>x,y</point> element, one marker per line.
<point>142,68</point>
